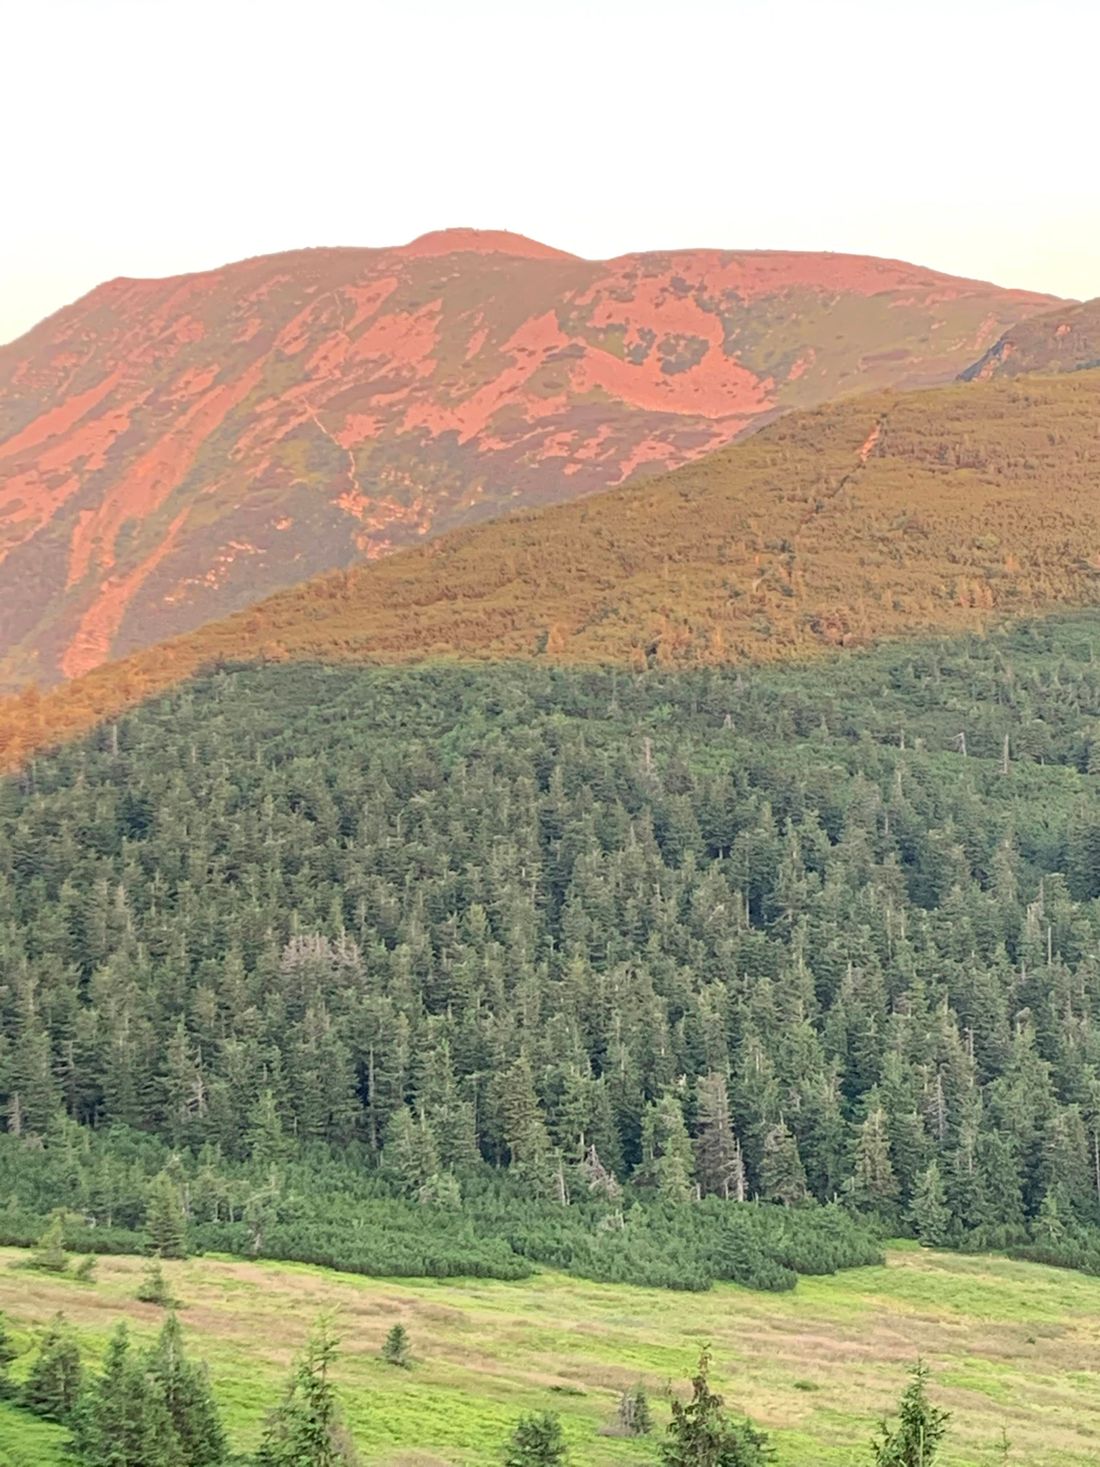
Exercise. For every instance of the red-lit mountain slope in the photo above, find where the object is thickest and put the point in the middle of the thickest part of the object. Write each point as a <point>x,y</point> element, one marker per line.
<point>1063,340</point>
<point>171,450</point>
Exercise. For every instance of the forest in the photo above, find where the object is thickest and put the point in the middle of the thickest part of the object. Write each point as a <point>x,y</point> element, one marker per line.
<point>661,976</point>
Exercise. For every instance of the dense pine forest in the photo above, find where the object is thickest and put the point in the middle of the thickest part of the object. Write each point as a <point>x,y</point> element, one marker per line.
<point>449,969</point>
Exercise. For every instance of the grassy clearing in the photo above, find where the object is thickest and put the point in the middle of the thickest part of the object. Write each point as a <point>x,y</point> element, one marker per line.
<point>1010,1343</point>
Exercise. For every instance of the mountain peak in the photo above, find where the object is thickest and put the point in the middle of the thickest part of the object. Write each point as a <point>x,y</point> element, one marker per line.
<point>173,450</point>
<point>481,242</point>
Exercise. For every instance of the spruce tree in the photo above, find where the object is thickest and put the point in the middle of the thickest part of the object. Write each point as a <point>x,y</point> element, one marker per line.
<point>915,1441</point>
<point>154,1288</point>
<point>185,1388</point>
<point>701,1434</point>
<point>929,1212</point>
<point>537,1442</point>
<point>165,1219</point>
<point>395,1349</point>
<point>122,1419</point>
<point>873,1186</point>
<point>266,1140</point>
<point>717,1153</point>
<point>49,1252</point>
<point>782,1175</point>
<point>56,1378</point>
<point>668,1163</point>
<point>306,1430</point>
<point>8,1353</point>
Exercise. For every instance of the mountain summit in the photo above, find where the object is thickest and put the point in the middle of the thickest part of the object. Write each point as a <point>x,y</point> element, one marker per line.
<point>170,450</point>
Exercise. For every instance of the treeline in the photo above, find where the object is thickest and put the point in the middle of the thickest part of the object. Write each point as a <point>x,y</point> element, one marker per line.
<point>339,1211</point>
<point>635,941</point>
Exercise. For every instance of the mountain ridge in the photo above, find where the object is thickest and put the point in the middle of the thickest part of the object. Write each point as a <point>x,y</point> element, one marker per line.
<point>885,515</point>
<point>172,450</point>
<point>1063,340</point>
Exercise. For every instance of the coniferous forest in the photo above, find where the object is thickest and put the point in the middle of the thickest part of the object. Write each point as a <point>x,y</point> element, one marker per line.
<point>659,977</point>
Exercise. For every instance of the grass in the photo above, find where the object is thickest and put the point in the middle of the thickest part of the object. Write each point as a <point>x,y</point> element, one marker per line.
<point>1011,1344</point>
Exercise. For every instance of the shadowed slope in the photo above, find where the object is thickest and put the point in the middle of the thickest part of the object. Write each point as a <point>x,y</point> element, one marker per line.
<point>1065,340</point>
<point>170,450</point>
<point>888,514</point>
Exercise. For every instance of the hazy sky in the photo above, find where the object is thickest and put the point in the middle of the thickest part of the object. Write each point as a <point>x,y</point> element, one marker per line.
<point>151,137</point>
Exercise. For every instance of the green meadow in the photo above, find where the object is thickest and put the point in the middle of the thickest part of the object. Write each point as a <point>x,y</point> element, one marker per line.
<point>1012,1345</point>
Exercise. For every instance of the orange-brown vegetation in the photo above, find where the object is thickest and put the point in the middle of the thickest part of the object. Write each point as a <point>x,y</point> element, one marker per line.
<point>880,516</point>
<point>1063,340</point>
<point>172,450</point>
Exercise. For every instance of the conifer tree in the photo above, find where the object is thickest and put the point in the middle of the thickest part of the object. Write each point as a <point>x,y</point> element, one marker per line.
<point>873,1186</point>
<point>122,1419</point>
<point>165,1219</point>
<point>782,1175</point>
<point>49,1252</point>
<point>154,1288</point>
<point>8,1353</point>
<point>56,1378</point>
<point>701,1434</point>
<point>522,1124</point>
<point>929,1212</point>
<point>921,1427</point>
<point>410,1153</point>
<point>186,1391</point>
<point>718,1162</point>
<point>266,1140</point>
<point>667,1160</point>
<point>306,1430</point>
<point>395,1348</point>
<point>537,1441</point>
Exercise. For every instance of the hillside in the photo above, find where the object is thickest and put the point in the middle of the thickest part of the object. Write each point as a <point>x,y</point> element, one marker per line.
<point>389,951</point>
<point>1011,1345</point>
<point>171,450</point>
<point>1063,340</point>
<point>881,516</point>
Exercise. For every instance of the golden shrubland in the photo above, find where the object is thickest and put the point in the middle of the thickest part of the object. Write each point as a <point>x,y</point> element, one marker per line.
<point>884,515</point>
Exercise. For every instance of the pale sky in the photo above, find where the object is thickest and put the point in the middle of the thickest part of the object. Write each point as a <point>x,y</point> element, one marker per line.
<point>153,137</point>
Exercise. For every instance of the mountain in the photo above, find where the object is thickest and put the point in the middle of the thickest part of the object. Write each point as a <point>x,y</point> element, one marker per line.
<point>1065,340</point>
<point>170,450</point>
<point>883,515</point>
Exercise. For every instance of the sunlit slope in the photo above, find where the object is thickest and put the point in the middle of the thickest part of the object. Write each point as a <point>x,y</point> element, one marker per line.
<point>1066,339</point>
<point>880,516</point>
<point>172,450</point>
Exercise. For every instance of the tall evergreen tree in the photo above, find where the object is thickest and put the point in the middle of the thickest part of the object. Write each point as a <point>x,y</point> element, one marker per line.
<point>782,1175</point>
<point>122,1419</point>
<point>186,1391</point>
<point>667,1160</point>
<point>165,1219</point>
<point>930,1213</point>
<point>719,1165</point>
<point>307,1430</point>
<point>56,1378</point>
